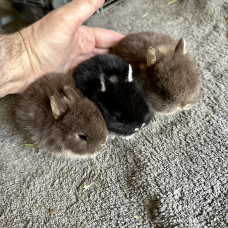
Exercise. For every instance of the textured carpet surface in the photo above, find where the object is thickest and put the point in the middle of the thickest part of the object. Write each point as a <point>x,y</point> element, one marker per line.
<point>173,174</point>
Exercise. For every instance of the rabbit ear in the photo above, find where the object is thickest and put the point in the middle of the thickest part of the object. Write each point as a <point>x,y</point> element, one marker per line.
<point>58,107</point>
<point>107,82</point>
<point>103,86</point>
<point>70,96</point>
<point>70,93</point>
<point>151,56</point>
<point>180,48</point>
<point>130,75</point>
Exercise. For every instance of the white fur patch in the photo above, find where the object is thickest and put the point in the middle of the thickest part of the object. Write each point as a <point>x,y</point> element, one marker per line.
<point>143,125</point>
<point>114,135</point>
<point>136,129</point>
<point>114,79</point>
<point>129,137</point>
<point>130,77</point>
<point>71,154</point>
<point>103,88</point>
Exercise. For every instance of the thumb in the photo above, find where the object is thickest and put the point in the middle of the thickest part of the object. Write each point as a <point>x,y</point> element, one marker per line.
<point>77,11</point>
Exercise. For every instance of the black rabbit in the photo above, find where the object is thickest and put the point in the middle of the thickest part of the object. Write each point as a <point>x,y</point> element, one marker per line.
<point>110,83</point>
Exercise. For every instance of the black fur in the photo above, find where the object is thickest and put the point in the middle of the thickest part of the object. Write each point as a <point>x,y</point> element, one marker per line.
<point>123,104</point>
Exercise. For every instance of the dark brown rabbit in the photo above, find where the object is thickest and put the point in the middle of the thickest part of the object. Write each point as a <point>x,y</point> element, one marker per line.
<point>57,117</point>
<point>164,69</point>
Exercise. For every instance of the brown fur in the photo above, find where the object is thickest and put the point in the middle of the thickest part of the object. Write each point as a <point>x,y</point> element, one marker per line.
<point>58,118</point>
<point>165,71</point>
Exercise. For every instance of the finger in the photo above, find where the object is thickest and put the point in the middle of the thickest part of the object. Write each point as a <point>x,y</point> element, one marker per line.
<point>106,38</point>
<point>76,12</point>
<point>100,51</point>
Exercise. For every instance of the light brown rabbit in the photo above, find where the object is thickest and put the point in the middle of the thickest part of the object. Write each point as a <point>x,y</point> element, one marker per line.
<point>164,69</point>
<point>57,117</point>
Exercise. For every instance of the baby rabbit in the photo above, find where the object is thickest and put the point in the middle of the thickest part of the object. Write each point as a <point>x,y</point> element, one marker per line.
<point>108,81</point>
<point>163,68</point>
<point>58,118</point>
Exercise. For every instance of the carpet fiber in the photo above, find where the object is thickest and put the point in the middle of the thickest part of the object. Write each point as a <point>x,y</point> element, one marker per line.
<point>173,174</point>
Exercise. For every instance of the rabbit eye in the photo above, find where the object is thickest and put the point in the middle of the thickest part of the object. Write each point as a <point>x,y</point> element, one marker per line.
<point>83,137</point>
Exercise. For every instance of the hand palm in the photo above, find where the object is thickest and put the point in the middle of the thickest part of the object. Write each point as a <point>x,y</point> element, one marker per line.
<point>60,49</point>
<point>58,43</point>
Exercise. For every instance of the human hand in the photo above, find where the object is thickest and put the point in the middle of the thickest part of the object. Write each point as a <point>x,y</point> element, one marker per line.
<point>59,43</point>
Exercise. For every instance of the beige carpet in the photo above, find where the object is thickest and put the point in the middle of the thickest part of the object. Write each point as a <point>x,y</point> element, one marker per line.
<point>174,174</point>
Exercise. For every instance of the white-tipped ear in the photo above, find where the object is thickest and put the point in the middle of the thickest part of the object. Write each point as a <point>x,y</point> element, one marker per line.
<point>130,76</point>
<point>151,56</point>
<point>58,107</point>
<point>54,107</point>
<point>180,48</point>
<point>103,88</point>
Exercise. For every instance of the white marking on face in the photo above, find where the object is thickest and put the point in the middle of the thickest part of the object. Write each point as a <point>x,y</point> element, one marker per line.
<point>114,79</point>
<point>71,154</point>
<point>136,129</point>
<point>130,77</point>
<point>103,89</point>
<point>128,137</point>
<point>114,135</point>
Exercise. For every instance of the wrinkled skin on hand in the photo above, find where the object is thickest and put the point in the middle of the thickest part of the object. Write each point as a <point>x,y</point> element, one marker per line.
<point>59,43</point>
